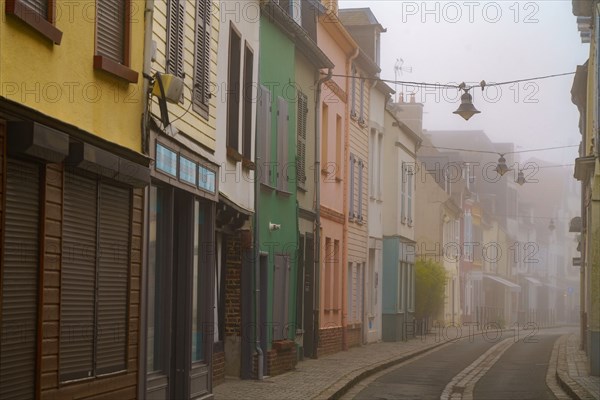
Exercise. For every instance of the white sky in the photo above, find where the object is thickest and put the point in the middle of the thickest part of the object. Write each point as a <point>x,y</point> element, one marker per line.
<point>527,39</point>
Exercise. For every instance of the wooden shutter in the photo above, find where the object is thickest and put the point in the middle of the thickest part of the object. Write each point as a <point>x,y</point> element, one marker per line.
<point>280,296</point>
<point>248,100</point>
<point>282,142</point>
<point>18,330</point>
<point>403,193</point>
<point>409,177</point>
<point>301,151</point>
<point>202,53</point>
<point>78,278</point>
<point>39,6</point>
<point>233,90</point>
<point>263,122</point>
<point>110,29</point>
<point>175,36</point>
<point>361,167</point>
<point>113,278</point>
<point>351,187</point>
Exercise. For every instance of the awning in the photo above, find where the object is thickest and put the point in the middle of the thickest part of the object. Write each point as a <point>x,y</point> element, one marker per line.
<point>512,286</point>
<point>534,281</point>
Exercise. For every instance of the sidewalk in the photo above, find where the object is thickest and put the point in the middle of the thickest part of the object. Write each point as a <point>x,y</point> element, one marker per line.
<point>329,376</point>
<point>572,372</point>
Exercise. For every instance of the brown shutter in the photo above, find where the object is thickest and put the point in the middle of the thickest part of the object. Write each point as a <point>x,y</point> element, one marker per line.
<point>78,277</point>
<point>110,25</point>
<point>175,36</point>
<point>202,53</point>
<point>248,100</point>
<point>20,282</point>
<point>301,151</point>
<point>233,90</point>
<point>113,278</point>
<point>39,6</point>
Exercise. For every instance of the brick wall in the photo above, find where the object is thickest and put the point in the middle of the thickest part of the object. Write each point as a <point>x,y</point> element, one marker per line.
<point>330,341</point>
<point>280,359</point>
<point>218,367</point>
<point>353,335</point>
<point>233,288</point>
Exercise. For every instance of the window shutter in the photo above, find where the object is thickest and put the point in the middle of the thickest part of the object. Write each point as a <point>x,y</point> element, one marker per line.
<point>301,159</point>
<point>175,36</point>
<point>351,205</point>
<point>263,121</point>
<point>362,100</point>
<point>248,100</point>
<point>282,141</point>
<point>361,168</point>
<point>39,6</point>
<point>78,277</point>
<point>280,296</point>
<point>18,339</point>
<point>110,25</point>
<point>113,278</point>
<point>353,106</point>
<point>202,53</point>
<point>403,194</point>
<point>409,172</point>
<point>233,90</point>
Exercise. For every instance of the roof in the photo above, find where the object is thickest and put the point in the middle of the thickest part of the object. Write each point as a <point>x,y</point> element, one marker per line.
<point>359,17</point>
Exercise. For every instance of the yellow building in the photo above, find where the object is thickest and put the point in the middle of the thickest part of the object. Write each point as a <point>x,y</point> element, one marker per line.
<point>587,170</point>
<point>71,169</point>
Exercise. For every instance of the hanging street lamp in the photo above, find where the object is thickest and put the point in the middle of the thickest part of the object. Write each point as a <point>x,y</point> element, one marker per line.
<point>521,178</point>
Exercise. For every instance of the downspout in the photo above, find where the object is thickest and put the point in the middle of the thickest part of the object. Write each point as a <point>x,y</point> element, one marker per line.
<point>317,236</point>
<point>259,352</point>
<point>346,177</point>
<point>142,356</point>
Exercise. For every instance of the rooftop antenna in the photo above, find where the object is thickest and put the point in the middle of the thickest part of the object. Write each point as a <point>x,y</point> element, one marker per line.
<point>399,68</point>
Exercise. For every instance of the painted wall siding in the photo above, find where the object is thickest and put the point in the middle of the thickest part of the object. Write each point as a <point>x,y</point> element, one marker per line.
<point>276,71</point>
<point>236,183</point>
<point>191,124</point>
<point>60,80</point>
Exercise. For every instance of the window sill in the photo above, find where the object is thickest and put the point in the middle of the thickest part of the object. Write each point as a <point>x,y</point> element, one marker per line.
<point>338,179</point>
<point>267,186</point>
<point>302,189</point>
<point>283,193</point>
<point>233,154</point>
<point>107,65</point>
<point>24,13</point>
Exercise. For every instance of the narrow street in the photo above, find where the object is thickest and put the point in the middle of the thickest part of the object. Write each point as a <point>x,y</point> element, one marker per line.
<point>478,367</point>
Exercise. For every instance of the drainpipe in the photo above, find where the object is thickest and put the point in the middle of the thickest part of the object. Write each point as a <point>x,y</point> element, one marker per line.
<point>259,352</point>
<point>346,177</point>
<point>142,356</point>
<point>317,247</point>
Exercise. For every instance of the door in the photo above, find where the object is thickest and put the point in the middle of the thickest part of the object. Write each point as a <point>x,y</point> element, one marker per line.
<point>309,280</point>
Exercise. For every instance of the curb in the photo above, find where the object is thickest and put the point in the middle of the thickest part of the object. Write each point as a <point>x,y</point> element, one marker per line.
<point>568,384</point>
<point>339,388</point>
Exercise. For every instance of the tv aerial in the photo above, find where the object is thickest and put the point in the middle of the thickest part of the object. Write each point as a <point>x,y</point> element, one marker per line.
<point>399,69</point>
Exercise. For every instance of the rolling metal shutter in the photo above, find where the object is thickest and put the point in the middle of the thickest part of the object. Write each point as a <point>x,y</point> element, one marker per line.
<point>110,26</point>
<point>113,278</point>
<point>20,282</point>
<point>78,275</point>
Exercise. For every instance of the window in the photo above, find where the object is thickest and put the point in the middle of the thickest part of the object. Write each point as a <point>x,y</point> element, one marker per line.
<point>263,130</point>
<point>351,213</point>
<point>353,103</point>
<point>350,291</point>
<point>282,144</point>
<point>372,157</point>
<point>338,147</point>
<point>201,89</point>
<point>361,117</point>
<point>302,115</point>
<point>401,286</point>
<point>337,280</point>
<point>175,37</point>
<point>327,271</point>
<point>198,282</point>
<point>233,93</point>
<point>324,136</point>
<point>95,278</point>
<point>410,287</point>
<point>468,237</point>
<point>355,289</point>
<point>38,14</point>
<point>403,181</point>
<point>113,19</point>
<point>379,166</point>
<point>248,101</point>
<point>409,194</point>
<point>361,167</point>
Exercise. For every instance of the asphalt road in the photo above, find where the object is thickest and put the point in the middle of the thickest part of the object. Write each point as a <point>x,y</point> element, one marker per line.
<point>504,367</point>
